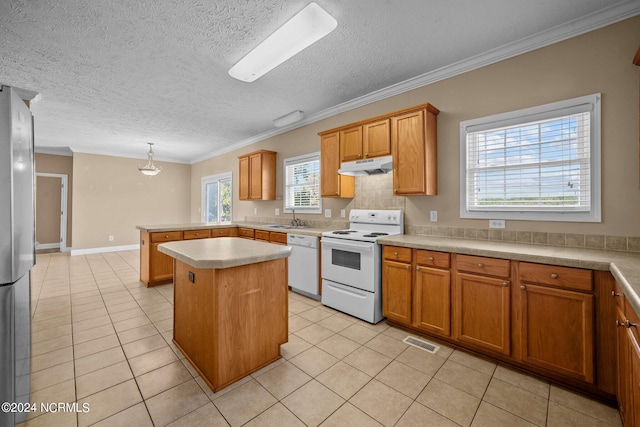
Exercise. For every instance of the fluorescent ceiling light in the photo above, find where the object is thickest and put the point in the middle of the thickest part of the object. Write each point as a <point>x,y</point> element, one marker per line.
<point>307,27</point>
<point>288,119</point>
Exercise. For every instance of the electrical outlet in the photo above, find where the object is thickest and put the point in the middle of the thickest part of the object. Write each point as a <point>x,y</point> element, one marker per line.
<point>111,238</point>
<point>433,216</point>
<point>277,211</point>
<point>343,213</point>
<point>327,213</point>
<point>496,223</point>
<point>255,211</point>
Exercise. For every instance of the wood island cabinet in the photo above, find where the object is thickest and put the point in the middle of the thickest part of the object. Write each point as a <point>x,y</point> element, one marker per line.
<point>257,175</point>
<point>333,184</point>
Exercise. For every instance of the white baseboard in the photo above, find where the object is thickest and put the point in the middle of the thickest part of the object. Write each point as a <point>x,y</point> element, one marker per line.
<point>89,251</point>
<point>47,245</point>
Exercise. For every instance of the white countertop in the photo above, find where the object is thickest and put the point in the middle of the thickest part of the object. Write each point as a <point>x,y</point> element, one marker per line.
<point>223,252</point>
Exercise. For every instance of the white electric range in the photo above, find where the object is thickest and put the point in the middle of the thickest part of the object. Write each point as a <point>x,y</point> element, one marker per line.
<point>352,263</point>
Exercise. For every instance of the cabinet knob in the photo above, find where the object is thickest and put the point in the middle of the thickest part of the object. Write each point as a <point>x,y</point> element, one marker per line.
<point>337,194</point>
<point>505,284</point>
<point>619,323</point>
<point>614,294</point>
<point>407,267</point>
<point>554,276</point>
<point>417,268</point>
<point>395,253</point>
<point>431,258</point>
<point>480,265</point>
<point>366,154</point>
<point>359,155</point>
<point>166,236</point>
<point>395,190</point>
<point>523,287</point>
<point>629,324</point>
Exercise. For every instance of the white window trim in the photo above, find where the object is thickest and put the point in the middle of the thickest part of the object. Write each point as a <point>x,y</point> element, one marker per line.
<point>203,194</point>
<point>594,214</point>
<point>299,159</point>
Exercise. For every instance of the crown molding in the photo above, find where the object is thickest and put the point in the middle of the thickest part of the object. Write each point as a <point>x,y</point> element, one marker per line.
<point>576,27</point>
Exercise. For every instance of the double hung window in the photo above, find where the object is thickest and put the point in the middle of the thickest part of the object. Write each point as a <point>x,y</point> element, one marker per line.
<point>216,198</point>
<point>541,163</point>
<point>302,184</point>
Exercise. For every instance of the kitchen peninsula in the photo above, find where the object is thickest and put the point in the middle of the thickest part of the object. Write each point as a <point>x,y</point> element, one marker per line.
<point>230,305</point>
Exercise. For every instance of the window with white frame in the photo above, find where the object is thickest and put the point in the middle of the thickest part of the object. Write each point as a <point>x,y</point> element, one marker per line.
<point>216,198</point>
<point>540,163</point>
<point>302,184</point>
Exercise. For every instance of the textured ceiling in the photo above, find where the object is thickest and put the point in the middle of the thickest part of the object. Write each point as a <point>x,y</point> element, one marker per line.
<point>115,74</point>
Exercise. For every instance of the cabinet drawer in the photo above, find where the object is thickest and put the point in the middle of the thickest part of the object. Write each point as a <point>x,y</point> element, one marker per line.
<point>196,234</point>
<point>565,277</point>
<point>395,253</point>
<point>167,236</point>
<point>433,259</point>
<point>262,235</point>
<point>481,265</point>
<point>220,232</point>
<point>246,233</point>
<point>280,238</point>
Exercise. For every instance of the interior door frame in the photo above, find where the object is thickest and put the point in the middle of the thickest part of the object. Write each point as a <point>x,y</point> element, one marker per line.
<point>63,207</point>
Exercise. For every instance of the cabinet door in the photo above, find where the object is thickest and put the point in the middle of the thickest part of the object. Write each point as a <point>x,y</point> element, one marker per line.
<point>432,300</point>
<point>376,139</point>
<point>255,177</point>
<point>634,406</point>
<point>243,178</point>
<point>624,368</point>
<point>557,331</point>
<point>407,136</point>
<point>351,144</point>
<point>396,291</point>
<point>483,312</point>
<point>332,184</point>
<point>161,264</point>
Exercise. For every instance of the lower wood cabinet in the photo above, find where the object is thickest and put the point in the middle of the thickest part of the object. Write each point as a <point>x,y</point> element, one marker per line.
<point>396,291</point>
<point>482,312</point>
<point>161,265</point>
<point>557,331</point>
<point>432,296</point>
<point>538,317</point>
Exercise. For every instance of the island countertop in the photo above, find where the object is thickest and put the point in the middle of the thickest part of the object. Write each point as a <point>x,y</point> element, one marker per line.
<point>223,252</point>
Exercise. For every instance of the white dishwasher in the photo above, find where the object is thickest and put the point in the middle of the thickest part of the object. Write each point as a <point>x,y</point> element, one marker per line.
<point>303,264</point>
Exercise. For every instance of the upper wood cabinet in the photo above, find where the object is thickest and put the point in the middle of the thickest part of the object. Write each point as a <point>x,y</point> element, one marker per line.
<point>365,141</point>
<point>333,184</point>
<point>410,135</point>
<point>414,148</point>
<point>257,173</point>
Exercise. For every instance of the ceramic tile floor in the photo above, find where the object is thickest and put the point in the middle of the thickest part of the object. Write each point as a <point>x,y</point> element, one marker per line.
<point>101,338</point>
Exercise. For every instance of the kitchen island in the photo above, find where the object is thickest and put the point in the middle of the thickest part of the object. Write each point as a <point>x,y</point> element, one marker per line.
<point>230,311</point>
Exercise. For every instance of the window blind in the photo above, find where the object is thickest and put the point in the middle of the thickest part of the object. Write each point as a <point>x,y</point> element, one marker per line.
<point>538,163</point>
<point>543,165</point>
<point>302,183</point>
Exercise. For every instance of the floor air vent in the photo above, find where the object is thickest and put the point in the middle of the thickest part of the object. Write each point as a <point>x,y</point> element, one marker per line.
<point>421,344</point>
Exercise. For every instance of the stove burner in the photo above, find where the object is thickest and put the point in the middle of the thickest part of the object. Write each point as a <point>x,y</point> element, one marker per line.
<point>376,234</point>
<point>344,232</point>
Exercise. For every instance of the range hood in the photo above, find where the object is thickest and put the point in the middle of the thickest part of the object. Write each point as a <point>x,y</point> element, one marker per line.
<point>365,167</point>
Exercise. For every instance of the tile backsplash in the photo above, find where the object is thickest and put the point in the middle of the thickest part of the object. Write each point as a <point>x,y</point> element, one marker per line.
<point>376,192</point>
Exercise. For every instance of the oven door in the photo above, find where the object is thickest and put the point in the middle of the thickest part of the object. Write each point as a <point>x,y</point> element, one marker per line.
<point>350,262</point>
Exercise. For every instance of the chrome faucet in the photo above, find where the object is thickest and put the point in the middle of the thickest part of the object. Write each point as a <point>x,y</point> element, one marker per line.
<point>295,222</point>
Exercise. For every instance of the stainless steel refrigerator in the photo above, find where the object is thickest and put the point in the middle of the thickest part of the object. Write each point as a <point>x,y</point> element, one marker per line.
<point>17,256</point>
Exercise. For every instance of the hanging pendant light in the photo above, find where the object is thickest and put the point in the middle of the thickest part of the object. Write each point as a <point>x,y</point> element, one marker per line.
<point>149,169</point>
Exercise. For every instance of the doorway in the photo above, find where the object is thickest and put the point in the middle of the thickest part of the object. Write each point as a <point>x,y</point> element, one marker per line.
<point>51,212</point>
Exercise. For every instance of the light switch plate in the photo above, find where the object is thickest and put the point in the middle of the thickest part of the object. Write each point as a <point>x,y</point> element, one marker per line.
<point>343,213</point>
<point>277,211</point>
<point>255,211</point>
<point>496,223</point>
<point>327,213</point>
<point>433,216</point>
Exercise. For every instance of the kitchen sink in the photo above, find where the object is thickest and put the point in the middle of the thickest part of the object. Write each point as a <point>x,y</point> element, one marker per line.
<point>287,227</point>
